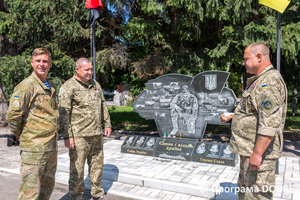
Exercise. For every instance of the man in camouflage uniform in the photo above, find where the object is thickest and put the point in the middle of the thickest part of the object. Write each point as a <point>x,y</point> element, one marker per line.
<point>32,116</point>
<point>257,125</point>
<point>82,110</point>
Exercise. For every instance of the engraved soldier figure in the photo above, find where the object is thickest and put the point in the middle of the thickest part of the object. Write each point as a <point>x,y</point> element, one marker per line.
<point>82,110</point>
<point>257,124</point>
<point>140,142</point>
<point>32,116</point>
<point>184,105</point>
<point>129,141</point>
<point>150,143</point>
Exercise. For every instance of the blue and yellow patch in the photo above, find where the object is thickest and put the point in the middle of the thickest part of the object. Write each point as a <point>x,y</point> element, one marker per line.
<point>16,103</point>
<point>267,105</point>
<point>264,86</point>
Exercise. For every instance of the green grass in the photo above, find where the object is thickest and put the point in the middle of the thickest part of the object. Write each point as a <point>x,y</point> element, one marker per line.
<point>124,118</point>
<point>292,123</point>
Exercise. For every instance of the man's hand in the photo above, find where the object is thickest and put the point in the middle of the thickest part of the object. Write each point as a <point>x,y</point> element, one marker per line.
<point>225,119</point>
<point>69,143</point>
<point>261,145</point>
<point>107,132</point>
<point>255,161</point>
<point>17,141</point>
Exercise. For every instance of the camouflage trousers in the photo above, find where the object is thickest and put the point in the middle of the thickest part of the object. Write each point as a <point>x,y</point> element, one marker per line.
<point>38,174</point>
<point>256,184</point>
<point>90,149</point>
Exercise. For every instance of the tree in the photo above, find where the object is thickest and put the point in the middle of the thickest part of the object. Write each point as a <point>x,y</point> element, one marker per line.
<point>62,27</point>
<point>192,36</point>
<point>138,40</point>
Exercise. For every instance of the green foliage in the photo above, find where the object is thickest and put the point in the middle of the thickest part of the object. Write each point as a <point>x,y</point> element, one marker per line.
<point>61,26</point>
<point>13,70</point>
<point>194,36</point>
<point>46,23</point>
<point>140,40</point>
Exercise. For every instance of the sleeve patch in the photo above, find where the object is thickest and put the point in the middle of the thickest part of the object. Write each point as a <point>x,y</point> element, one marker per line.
<point>267,105</point>
<point>16,104</point>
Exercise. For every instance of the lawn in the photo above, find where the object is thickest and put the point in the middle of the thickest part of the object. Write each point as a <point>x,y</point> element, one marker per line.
<point>124,118</point>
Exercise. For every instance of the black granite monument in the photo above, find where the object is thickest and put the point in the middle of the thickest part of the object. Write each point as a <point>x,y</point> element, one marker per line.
<point>182,105</point>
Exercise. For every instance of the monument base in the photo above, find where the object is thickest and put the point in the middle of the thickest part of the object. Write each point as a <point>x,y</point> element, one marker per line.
<point>180,149</point>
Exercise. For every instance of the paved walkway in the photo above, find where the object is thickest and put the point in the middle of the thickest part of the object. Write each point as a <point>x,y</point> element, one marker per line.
<point>142,177</point>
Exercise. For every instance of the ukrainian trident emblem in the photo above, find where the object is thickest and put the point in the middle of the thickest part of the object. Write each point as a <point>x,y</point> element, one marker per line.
<point>211,81</point>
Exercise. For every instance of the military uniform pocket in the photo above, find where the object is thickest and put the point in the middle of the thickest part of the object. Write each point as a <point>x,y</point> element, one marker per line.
<point>247,102</point>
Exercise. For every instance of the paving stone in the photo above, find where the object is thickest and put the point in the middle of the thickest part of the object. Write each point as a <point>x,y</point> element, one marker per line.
<point>205,177</point>
<point>154,192</point>
<point>134,189</point>
<point>214,174</point>
<point>196,198</point>
<point>175,178</point>
<point>286,195</point>
<point>277,194</point>
<point>153,176</point>
<point>141,190</point>
<point>181,196</point>
<point>160,196</point>
<point>126,187</point>
<point>168,197</point>
<point>186,180</point>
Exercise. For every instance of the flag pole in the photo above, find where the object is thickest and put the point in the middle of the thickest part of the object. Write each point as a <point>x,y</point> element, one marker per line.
<point>278,39</point>
<point>278,63</point>
<point>95,7</point>
<point>94,51</point>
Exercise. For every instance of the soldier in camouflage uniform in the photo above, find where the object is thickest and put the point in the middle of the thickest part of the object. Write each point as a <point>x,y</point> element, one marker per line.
<point>32,116</point>
<point>82,110</point>
<point>257,125</point>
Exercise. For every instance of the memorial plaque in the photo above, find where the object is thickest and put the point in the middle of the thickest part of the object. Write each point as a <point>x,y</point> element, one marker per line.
<point>226,153</point>
<point>142,145</point>
<point>214,153</point>
<point>214,150</point>
<point>176,149</point>
<point>185,104</point>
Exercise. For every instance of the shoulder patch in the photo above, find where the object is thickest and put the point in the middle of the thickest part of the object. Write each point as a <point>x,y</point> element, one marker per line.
<point>264,86</point>
<point>267,105</point>
<point>16,103</point>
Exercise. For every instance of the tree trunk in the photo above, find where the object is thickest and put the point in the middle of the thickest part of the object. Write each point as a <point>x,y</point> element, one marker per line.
<point>295,101</point>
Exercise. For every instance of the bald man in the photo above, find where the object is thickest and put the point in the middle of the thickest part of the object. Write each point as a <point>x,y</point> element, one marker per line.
<point>257,124</point>
<point>82,111</point>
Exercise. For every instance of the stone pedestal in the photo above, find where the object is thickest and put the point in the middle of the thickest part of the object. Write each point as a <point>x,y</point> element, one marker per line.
<point>180,149</point>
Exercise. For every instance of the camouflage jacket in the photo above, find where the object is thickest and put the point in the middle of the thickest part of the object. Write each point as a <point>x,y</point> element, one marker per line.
<point>82,109</point>
<point>32,115</point>
<point>262,110</point>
